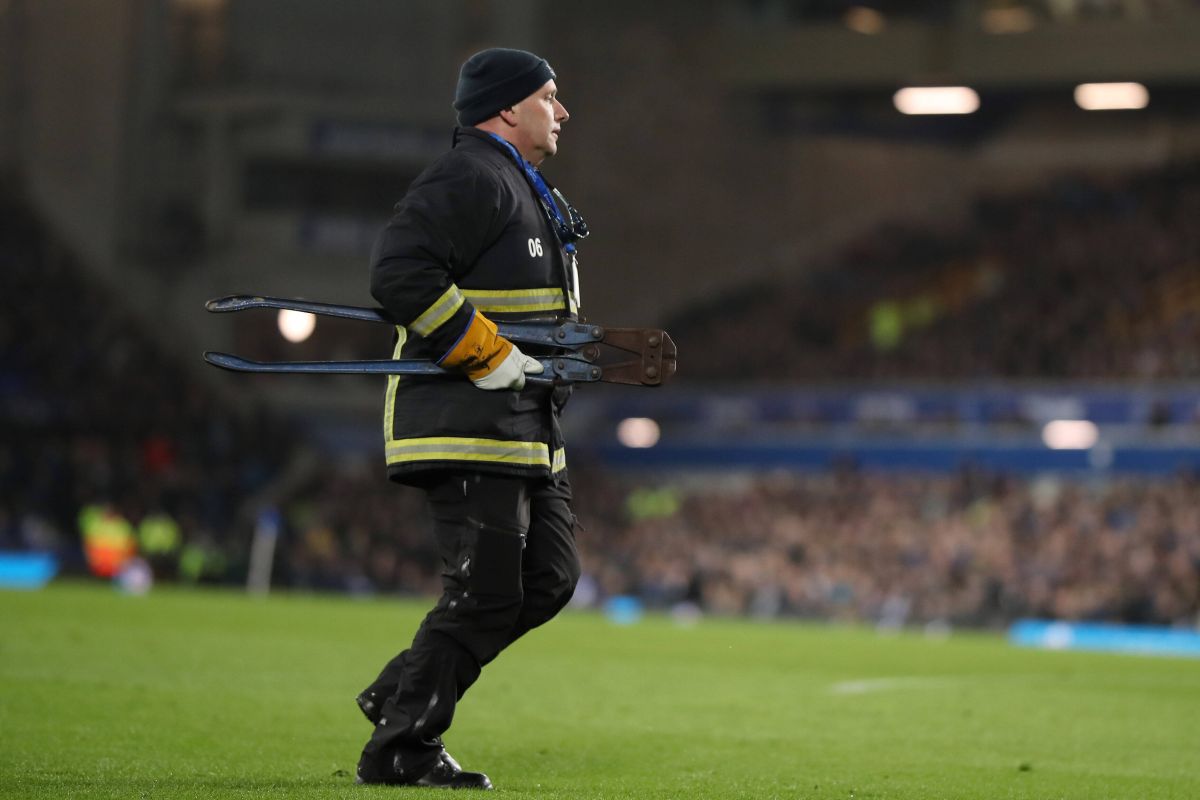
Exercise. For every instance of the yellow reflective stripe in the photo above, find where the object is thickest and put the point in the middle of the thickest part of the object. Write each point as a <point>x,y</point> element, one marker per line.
<point>389,396</point>
<point>461,448</point>
<point>515,300</point>
<point>559,463</point>
<point>436,315</point>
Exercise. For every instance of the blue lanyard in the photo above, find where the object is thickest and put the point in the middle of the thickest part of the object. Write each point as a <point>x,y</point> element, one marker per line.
<point>539,185</point>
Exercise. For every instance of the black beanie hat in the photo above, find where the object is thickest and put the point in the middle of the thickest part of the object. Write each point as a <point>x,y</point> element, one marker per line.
<point>497,78</point>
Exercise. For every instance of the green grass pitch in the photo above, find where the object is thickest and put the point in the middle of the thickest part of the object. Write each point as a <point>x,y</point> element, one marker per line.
<point>215,694</point>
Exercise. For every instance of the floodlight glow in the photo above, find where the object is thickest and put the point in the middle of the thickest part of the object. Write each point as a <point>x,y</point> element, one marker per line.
<point>861,19</point>
<point>1111,96</point>
<point>296,326</point>
<point>639,432</point>
<point>936,100</point>
<point>1070,434</point>
<point>1015,19</point>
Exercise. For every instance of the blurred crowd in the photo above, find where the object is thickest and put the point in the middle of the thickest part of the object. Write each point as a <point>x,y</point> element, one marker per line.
<point>103,432</point>
<point>1084,279</point>
<point>969,549</point>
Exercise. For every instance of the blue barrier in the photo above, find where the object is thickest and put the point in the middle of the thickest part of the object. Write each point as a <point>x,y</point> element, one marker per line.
<point>944,455</point>
<point>26,570</point>
<point>1142,639</point>
<point>997,403</point>
<point>1140,430</point>
<point>623,610</point>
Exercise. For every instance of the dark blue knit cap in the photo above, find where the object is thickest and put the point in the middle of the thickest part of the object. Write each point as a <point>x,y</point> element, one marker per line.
<point>495,79</point>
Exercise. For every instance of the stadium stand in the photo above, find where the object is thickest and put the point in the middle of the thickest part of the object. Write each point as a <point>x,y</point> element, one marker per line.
<point>966,549</point>
<point>1085,279</point>
<point>971,549</point>
<point>145,441</point>
<point>94,415</point>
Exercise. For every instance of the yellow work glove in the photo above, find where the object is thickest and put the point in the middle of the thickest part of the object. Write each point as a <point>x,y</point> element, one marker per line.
<point>488,359</point>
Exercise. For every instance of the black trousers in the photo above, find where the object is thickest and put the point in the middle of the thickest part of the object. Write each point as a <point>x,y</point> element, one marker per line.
<point>510,564</point>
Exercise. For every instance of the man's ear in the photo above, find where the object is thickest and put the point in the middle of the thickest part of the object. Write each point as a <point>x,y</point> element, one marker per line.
<point>509,116</point>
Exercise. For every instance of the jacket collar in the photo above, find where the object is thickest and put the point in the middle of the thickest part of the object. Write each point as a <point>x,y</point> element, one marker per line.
<point>472,137</point>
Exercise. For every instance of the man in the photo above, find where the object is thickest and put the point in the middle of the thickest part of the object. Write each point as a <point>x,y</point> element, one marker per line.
<point>479,236</point>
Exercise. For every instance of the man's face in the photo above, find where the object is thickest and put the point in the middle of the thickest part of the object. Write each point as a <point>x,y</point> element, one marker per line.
<point>537,120</point>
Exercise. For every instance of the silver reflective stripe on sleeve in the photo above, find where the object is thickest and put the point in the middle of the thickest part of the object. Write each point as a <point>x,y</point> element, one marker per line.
<point>436,315</point>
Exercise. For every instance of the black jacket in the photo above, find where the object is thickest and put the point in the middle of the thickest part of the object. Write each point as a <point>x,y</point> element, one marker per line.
<point>469,234</point>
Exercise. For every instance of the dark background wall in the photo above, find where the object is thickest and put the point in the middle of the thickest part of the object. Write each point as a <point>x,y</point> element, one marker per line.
<point>194,148</point>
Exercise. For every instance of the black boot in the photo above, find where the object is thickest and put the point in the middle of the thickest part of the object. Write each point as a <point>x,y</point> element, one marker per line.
<point>444,773</point>
<point>447,774</point>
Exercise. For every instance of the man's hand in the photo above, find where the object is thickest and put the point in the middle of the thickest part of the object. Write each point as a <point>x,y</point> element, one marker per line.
<point>510,373</point>
<point>488,359</point>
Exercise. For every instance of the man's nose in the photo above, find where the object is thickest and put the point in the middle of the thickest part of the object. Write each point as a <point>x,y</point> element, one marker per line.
<point>562,115</point>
